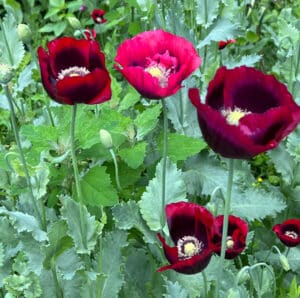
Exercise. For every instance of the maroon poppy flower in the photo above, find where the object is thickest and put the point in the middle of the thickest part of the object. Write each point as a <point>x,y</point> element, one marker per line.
<point>246,112</point>
<point>190,227</point>
<point>223,43</point>
<point>73,71</point>
<point>90,33</point>
<point>98,16</point>
<point>236,236</point>
<point>288,232</point>
<point>156,62</point>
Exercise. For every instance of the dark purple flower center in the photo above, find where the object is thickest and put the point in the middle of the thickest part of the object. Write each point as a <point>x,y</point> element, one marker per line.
<point>161,66</point>
<point>74,71</point>
<point>188,246</point>
<point>291,234</point>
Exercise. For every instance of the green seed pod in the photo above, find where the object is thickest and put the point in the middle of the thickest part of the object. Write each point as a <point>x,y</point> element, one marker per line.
<point>105,138</point>
<point>6,73</point>
<point>24,33</point>
<point>74,22</point>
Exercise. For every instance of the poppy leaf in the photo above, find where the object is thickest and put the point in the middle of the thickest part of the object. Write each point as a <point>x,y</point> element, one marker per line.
<point>111,263</point>
<point>97,188</point>
<point>12,48</point>
<point>134,156</point>
<point>175,290</point>
<point>152,197</point>
<point>71,213</point>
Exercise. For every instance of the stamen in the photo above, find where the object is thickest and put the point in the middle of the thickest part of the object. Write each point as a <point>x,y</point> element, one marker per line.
<point>157,70</point>
<point>189,246</point>
<point>229,242</point>
<point>74,71</point>
<point>291,234</point>
<point>233,116</point>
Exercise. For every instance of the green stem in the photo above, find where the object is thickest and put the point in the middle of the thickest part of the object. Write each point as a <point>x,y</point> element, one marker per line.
<point>58,290</point>
<point>164,163</point>
<point>116,168</point>
<point>225,221</point>
<point>41,218</point>
<point>296,68</point>
<point>204,283</point>
<point>50,116</point>
<point>76,176</point>
<point>181,108</point>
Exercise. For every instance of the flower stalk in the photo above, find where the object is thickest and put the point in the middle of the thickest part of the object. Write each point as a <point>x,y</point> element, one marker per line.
<point>164,162</point>
<point>76,176</point>
<point>38,211</point>
<point>225,221</point>
<point>112,153</point>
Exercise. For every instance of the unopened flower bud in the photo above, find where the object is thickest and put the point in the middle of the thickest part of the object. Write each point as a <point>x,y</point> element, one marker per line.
<point>105,138</point>
<point>6,73</point>
<point>284,262</point>
<point>131,133</point>
<point>74,22</point>
<point>233,293</point>
<point>24,33</point>
<point>243,275</point>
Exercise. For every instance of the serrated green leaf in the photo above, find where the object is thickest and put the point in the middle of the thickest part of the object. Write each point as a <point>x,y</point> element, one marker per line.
<point>263,279</point>
<point>147,120</point>
<point>92,228</point>
<point>34,253</point>
<point>247,60</point>
<point>40,180</point>
<point>68,263</point>
<point>129,100</point>
<point>180,146</point>
<point>173,289</point>
<point>182,113</point>
<point>25,222</point>
<point>206,12</point>
<point>127,215</point>
<point>58,242</point>
<point>12,49</point>
<point>223,29</point>
<point>97,189</point>
<point>151,202</point>
<point>134,156</point>
<point>256,203</point>
<point>112,262</point>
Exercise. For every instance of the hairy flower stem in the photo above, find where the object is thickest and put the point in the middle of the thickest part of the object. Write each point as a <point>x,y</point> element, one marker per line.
<point>164,163</point>
<point>112,153</point>
<point>76,176</point>
<point>39,212</point>
<point>225,222</point>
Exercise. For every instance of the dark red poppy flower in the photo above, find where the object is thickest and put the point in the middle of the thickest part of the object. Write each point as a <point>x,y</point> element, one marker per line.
<point>288,232</point>
<point>236,236</point>
<point>73,71</point>
<point>190,227</point>
<point>156,62</point>
<point>223,43</point>
<point>90,33</point>
<point>98,16</point>
<point>246,112</point>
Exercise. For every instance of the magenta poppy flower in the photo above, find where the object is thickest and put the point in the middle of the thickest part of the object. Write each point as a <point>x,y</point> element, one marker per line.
<point>73,71</point>
<point>156,62</point>
<point>246,112</point>
<point>236,236</point>
<point>288,232</point>
<point>223,43</point>
<point>190,227</point>
<point>98,16</point>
